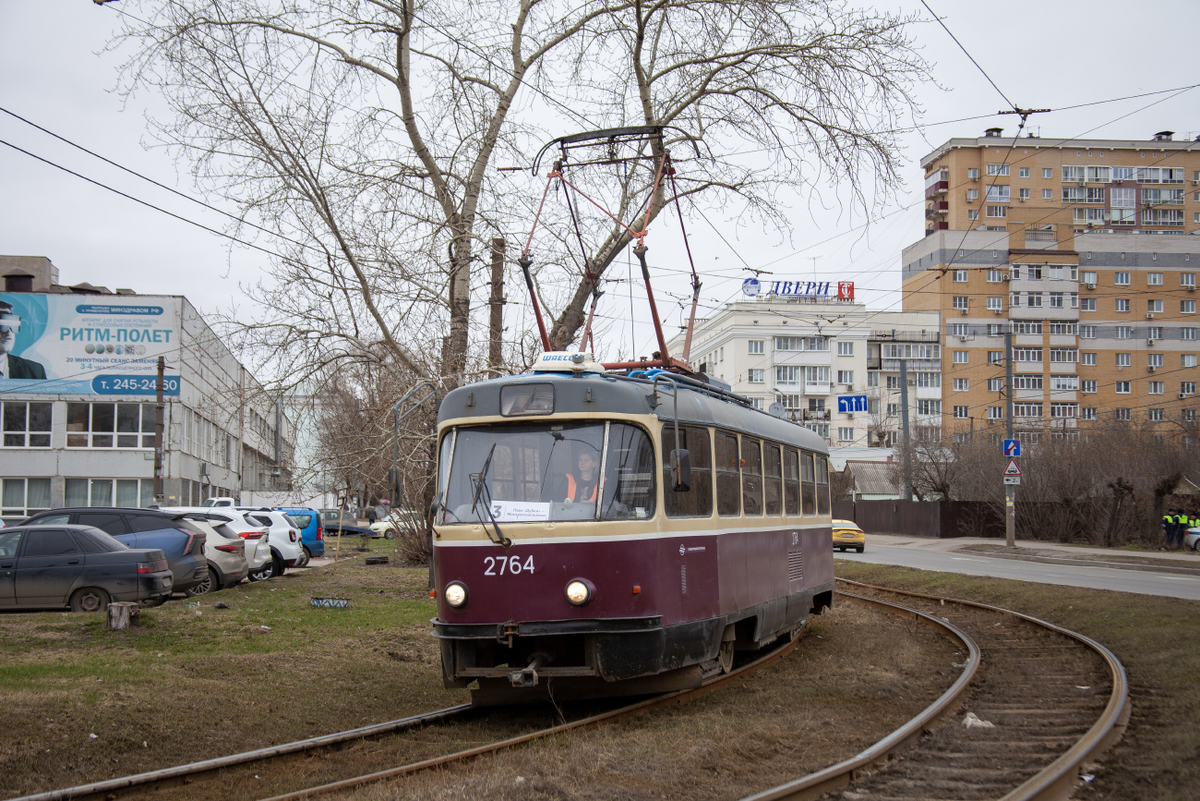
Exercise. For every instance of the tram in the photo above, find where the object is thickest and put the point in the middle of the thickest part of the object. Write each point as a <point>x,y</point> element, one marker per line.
<point>615,532</point>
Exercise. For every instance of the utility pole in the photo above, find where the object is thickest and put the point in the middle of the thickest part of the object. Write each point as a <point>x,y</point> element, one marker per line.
<point>1010,490</point>
<point>158,431</point>
<point>496,323</point>
<point>906,442</point>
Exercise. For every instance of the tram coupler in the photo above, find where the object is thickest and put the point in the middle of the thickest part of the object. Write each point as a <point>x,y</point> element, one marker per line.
<point>528,676</point>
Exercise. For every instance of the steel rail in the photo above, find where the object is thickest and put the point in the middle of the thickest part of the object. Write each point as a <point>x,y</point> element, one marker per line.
<point>835,777</point>
<point>204,766</point>
<point>1058,779</point>
<point>671,698</point>
<point>1054,782</point>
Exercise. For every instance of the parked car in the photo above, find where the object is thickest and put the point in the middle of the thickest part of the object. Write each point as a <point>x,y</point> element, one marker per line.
<point>219,500</point>
<point>258,549</point>
<point>80,567</point>
<point>226,555</point>
<point>847,534</point>
<point>1192,539</point>
<point>396,521</point>
<point>312,533</point>
<point>286,550</point>
<point>336,521</point>
<point>141,528</point>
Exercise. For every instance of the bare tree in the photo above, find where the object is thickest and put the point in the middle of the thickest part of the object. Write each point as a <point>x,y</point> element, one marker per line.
<point>363,136</point>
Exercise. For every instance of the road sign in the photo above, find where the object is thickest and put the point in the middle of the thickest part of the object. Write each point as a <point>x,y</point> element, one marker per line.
<point>1012,469</point>
<point>1012,479</point>
<point>852,403</point>
<point>1012,447</point>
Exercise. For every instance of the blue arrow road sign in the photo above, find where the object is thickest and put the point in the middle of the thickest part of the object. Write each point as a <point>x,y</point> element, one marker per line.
<point>1012,447</point>
<point>852,403</point>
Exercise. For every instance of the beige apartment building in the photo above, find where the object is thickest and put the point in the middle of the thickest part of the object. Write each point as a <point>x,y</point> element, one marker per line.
<point>1087,251</point>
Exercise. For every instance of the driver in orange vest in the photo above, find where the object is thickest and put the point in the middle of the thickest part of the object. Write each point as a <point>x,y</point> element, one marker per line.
<point>582,485</point>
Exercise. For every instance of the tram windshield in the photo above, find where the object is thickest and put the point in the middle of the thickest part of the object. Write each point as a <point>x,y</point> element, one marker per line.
<point>545,471</point>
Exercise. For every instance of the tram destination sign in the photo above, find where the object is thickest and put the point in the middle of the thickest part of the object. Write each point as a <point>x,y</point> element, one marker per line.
<point>842,290</point>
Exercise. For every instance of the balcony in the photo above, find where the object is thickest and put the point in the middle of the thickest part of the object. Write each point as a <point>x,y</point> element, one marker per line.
<point>938,225</point>
<point>938,208</point>
<point>936,188</point>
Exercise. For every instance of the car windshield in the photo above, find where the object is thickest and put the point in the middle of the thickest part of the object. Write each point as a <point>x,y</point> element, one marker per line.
<point>543,472</point>
<point>300,521</point>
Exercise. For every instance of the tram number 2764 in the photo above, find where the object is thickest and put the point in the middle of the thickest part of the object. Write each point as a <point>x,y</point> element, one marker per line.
<point>499,565</point>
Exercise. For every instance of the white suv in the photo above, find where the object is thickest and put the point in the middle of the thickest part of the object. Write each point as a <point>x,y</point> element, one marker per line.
<point>286,548</point>
<point>258,545</point>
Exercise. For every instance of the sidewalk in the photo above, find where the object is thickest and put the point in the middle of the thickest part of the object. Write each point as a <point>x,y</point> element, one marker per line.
<point>1183,562</point>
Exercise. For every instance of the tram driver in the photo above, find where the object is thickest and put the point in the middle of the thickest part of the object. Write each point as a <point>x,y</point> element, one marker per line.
<point>582,483</point>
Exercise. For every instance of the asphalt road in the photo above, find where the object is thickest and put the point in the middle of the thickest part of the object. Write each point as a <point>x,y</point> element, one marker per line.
<point>1142,578</point>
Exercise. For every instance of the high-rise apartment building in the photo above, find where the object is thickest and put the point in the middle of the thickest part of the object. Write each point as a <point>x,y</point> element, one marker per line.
<point>1087,252</point>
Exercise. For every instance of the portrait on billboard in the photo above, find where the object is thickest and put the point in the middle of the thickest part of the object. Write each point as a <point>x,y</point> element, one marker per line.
<point>12,365</point>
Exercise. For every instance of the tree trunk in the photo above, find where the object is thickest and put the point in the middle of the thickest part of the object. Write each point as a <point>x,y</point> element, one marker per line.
<point>120,615</point>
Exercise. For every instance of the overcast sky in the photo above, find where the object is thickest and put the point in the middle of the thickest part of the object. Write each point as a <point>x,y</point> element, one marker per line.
<point>1040,54</point>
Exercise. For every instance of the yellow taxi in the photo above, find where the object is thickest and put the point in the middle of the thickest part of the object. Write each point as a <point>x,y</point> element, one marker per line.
<point>847,534</point>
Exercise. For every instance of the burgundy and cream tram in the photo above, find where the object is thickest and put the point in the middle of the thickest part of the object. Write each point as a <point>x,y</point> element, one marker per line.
<point>609,534</point>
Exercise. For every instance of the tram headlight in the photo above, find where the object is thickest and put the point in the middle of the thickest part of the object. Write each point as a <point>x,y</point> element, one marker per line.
<point>580,592</point>
<point>455,594</point>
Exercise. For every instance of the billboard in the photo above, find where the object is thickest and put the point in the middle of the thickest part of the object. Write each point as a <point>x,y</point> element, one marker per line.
<point>88,344</point>
<point>844,290</point>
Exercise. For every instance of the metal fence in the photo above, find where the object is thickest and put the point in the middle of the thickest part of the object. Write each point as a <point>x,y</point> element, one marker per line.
<point>935,519</point>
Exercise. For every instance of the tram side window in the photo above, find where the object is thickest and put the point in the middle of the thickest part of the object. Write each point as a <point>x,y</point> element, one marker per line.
<point>629,490</point>
<point>808,487</point>
<point>822,486</point>
<point>697,502</point>
<point>729,483</point>
<point>772,480</point>
<point>751,476</point>
<point>791,482</point>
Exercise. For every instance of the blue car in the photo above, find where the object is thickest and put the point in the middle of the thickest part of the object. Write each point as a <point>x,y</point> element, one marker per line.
<point>312,535</point>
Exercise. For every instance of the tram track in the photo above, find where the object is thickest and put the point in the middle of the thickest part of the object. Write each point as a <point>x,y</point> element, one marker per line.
<point>1055,700</point>
<point>1042,687</point>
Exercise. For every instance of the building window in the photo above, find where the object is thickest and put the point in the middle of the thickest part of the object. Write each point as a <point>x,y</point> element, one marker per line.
<point>1121,305</point>
<point>1087,413</point>
<point>1187,333</point>
<point>972,195</point>
<point>1023,194</point>
<point>1187,387</point>
<point>972,214</point>
<point>960,276</point>
<point>893,409</point>
<point>997,211</point>
<point>995,357</point>
<point>1189,416</point>
<point>1088,277</point>
<point>845,376</point>
<point>960,384</point>
<point>1187,279</point>
<point>27,425</point>
<point>1088,386</point>
<point>1021,381</point>
<point>960,357</point>
<point>997,169</point>
<point>1154,279</point>
<point>789,374</point>
<point>1056,300</point>
<point>1027,410</point>
<point>1187,360</point>
<point>21,497</point>
<point>1027,354</point>
<point>1123,387</point>
<point>995,412</point>
<point>1014,300</point>
<point>1156,387</point>
<point>929,406</point>
<point>973,173</point>
<point>756,377</point>
<point>962,412</point>
<point>1154,360</point>
<point>872,378</point>
<point>1087,332</point>
<point>1033,300</point>
<point>845,434</point>
<point>755,347</point>
<point>893,382</point>
<point>995,384</point>
<point>1028,327</point>
<point>1154,306</point>
<point>1121,279</point>
<point>1123,360</point>
<point>110,425</point>
<point>1124,331</point>
<point>1065,383</point>
<point>1047,194</point>
<point>1064,410</point>
<point>1087,304</point>
<point>1187,307</point>
<point>995,276</point>
<point>816,376</point>
<point>845,349</point>
<point>109,492</point>
<point>1155,415</point>
<point>960,301</point>
<point>995,303</point>
<point>1087,359</point>
<point>1047,172</point>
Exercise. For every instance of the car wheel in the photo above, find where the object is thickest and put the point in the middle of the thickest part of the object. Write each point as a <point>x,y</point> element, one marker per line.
<point>265,572</point>
<point>210,584</point>
<point>861,548</point>
<point>89,599</point>
<point>305,555</point>
<point>277,566</point>
<point>389,534</point>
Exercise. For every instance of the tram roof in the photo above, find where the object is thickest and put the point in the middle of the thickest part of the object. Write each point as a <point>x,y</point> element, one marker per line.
<point>599,393</point>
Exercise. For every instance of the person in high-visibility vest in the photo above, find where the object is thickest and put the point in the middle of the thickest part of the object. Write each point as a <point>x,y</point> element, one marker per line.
<point>582,484</point>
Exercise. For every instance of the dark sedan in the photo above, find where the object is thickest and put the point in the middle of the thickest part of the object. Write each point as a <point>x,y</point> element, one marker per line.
<point>182,542</point>
<point>49,567</point>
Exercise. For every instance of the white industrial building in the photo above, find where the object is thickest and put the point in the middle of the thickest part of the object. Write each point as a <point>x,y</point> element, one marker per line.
<point>801,346</point>
<point>79,394</point>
